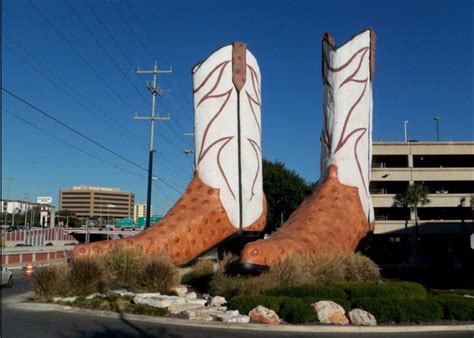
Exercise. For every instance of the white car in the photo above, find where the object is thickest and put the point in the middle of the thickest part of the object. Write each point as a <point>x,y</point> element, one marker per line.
<point>7,278</point>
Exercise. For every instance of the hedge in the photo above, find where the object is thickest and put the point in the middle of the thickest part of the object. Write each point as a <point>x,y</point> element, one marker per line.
<point>388,290</point>
<point>460,292</point>
<point>291,310</point>
<point>313,291</point>
<point>296,311</point>
<point>455,307</point>
<point>401,310</point>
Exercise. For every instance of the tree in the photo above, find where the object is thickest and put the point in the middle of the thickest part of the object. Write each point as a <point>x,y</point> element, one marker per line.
<point>415,195</point>
<point>284,189</point>
<point>71,218</point>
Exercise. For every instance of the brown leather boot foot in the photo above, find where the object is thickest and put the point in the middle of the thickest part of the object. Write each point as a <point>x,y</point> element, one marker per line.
<point>195,224</point>
<point>330,220</point>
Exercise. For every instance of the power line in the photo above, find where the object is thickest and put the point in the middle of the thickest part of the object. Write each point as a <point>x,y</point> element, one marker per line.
<point>80,56</point>
<point>124,133</point>
<point>70,144</point>
<point>105,51</point>
<point>91,8</point>
<point>71,128</point>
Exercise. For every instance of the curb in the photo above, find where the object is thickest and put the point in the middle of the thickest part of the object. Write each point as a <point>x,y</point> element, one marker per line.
<point>248,326</point>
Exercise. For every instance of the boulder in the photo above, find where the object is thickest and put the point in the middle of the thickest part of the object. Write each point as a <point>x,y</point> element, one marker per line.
<point>180,290</point>
<point>330,312</point>
<point>236,319</point>
<point>190,295</point>
<point>160,301</point>
<point>205,296</point>
<point>68,299</point>
<point>176,309</point>
<point>96,295</point>
<point>218,301</point>
<point>212,311</point>
<point>123,292</point>
<point>201,302</point>
<point>263,315</point>
<point>362,317</point>
<point>468,296</point>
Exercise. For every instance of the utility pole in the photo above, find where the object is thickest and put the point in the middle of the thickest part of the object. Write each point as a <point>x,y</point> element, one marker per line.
<point>189,151</point>
<point>155,91</point>
<point>9,180</point>
<point>437,127</point>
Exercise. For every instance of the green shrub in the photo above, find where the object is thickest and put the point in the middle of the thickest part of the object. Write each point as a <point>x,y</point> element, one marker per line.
<point>296,311</point>
<point>85,276</point>
<point>50,281</point>
<point>460,292</point>
<point>123,267</point>
<point>401,310</point>
<point>314,291</point>
<point>225,285</point>
<point>246,303</point>
<point>387,290</point>
<point>149,311</point>
<point>159,274</point>
<point>455,307</point>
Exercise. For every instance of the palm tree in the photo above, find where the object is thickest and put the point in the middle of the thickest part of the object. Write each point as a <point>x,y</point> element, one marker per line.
<point>415,195</point>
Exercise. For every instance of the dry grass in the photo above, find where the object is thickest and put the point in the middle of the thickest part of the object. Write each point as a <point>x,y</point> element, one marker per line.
<point>123,267</point>
<point>159,274</point>
<point>294,271</point>
<point>50,281</point>
<point>86,276</point>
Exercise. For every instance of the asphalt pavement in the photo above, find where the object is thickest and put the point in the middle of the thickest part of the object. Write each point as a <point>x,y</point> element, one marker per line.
<point>19,323</point>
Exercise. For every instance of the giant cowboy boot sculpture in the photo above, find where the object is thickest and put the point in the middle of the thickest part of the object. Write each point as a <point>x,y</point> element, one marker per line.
<point>339,212</point>
<point>225,195</point>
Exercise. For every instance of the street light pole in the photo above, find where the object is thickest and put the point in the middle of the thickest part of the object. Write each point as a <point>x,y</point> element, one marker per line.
<point>9,180</point>
<point>437,127</point>
<point>406,130</point>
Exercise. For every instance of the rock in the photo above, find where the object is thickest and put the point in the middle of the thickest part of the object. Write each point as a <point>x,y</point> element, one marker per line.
<point>67,308</point>
<point>468,296</point>
<point>236,319</point>
<point>330,312</point>
<point>160,301</point>
<point>218,301</point>
<point>69,299</point>
<point>201,302</point>
<point>202,318</point>
<point>57,299</point>
<point>362,317</point>
<point>261,314</point>
<point>123,292</point>
<point>149,294</point>
<point>176,309</point>
<point>180,290</point>
<point>190,295</point>
<point>205,296</point>
<point>96,295</point>
<point>212,311</point>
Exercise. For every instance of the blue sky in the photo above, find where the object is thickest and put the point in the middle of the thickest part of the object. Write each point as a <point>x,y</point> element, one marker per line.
<point>424,67</point>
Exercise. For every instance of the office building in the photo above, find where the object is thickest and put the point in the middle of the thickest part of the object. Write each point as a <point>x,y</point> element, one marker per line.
<point>97,202</point>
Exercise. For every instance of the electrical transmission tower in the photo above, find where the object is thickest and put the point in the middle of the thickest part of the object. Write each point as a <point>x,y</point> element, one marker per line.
<point>155,91</point>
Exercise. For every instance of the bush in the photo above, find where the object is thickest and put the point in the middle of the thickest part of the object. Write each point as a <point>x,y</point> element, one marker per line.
<point>225,285</point>
<point>296,311</point>
<point>460,292</point>
<point>401,310</point>
<point>387,290</point>
<point>246,303</point>
<point>159,274</point>
<point>50,281</point>
<point>200,276</point>
<point>124,266</point>
<point>85,276</point>
<point>147,310</point>
<point>360,268</point>
<point>455,307</point>
<point>312,291</point>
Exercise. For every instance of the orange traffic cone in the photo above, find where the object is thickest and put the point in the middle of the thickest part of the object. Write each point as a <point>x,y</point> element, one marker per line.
<point>29,270</point>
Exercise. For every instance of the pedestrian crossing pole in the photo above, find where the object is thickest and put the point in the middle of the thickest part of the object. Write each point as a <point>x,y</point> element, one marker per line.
<point>155,91</point>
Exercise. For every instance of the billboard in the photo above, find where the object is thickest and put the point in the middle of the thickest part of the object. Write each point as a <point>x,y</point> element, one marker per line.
<point>44,200</point>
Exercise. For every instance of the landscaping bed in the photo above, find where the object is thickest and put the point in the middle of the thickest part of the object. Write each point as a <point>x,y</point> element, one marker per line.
<point>326,290</point>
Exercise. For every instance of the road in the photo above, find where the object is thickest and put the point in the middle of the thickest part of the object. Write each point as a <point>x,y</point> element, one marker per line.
<point>18,323</point>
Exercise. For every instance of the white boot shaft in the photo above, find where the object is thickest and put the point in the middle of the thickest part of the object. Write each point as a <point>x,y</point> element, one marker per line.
<point>347,130</point>
<point>227,106</point>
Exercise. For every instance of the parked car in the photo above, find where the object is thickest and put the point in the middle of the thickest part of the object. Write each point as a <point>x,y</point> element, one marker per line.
<point>7,278</point>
